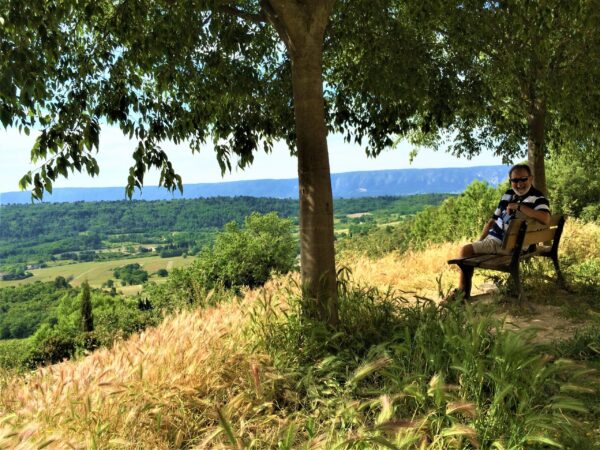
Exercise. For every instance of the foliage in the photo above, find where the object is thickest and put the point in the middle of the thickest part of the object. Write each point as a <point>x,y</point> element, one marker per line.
<point>247,255</point>
<point>455,218</point>
<point>528,75</point>
<point>15,272</point>
<point>87,317</point>
<point>584,345</point>
<point>14,353</point>
<point>51,318</point>
<point>47,231</point>
<point>131,274</point>
<point>24,308</point>
<point>573,182</point>
<point>586,274</point>
<point>376,242</point>
<point>242,75</point>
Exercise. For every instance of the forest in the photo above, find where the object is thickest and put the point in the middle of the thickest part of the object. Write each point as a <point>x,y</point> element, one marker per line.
<point>41,233</point>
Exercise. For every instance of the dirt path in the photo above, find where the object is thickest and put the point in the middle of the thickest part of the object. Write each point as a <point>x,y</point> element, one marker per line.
<point>548,321</point>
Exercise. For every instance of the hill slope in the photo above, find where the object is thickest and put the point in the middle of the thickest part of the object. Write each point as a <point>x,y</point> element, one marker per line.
<point>196,381</point>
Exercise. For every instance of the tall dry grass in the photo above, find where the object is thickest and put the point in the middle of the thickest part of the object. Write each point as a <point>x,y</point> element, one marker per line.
<point>418,272</point>
<point>580,240</point>
<point>414,272</point>
<point>163,388</point>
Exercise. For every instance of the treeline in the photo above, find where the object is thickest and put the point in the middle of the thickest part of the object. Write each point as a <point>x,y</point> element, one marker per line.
<point>49,231</point>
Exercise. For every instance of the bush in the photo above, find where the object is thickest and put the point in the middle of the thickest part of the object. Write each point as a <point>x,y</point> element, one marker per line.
<point>131,274</point>
<point>457,217</point>
<point>247,255</point>
<point>573,183</point>
<point>51,350</point>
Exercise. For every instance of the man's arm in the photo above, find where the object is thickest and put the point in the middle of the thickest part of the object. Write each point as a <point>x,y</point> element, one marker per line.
<point>541,216</point>
<point>486,229</point>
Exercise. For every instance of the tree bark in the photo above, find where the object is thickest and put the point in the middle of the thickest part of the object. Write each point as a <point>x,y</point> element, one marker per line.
<point>536,151</point>
<point>301,26</point>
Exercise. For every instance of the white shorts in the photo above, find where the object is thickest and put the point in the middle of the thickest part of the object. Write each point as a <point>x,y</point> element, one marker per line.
<point>489,245</point>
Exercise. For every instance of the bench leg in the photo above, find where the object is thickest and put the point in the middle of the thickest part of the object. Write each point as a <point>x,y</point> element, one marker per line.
<point>559,276</point>
<point>515,282</point>
<point>467,278</point>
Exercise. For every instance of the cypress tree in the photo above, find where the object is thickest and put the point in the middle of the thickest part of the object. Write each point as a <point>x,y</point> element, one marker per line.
<point>87,319</point>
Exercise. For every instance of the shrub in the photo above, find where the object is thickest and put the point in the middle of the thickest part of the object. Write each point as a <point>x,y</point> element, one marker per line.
<point>51,350</point>
<point>247,255</point>
<point>457,217</point>
<point>131,274</point>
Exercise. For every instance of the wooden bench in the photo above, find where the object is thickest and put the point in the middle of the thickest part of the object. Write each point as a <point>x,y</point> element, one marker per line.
<point>538,239</point>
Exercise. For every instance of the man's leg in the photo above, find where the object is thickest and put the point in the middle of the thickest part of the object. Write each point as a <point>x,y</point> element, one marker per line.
<point>465,252</point>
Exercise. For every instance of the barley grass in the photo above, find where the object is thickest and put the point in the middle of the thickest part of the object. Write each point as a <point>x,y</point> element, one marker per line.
<point>414,272</point>
<point>159,389</point>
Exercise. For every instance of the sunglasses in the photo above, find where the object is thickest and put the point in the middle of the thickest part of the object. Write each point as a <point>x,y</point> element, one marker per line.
<point>516,180</point>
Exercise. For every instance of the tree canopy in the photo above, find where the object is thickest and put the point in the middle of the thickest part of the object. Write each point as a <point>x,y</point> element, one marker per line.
<point>240,75</point>
<point>529,75</point>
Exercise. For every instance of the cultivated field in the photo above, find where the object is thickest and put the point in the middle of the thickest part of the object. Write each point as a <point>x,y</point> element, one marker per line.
<point>97,272</point>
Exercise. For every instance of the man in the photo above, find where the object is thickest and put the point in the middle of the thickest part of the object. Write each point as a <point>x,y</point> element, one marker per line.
<point>521,197</point>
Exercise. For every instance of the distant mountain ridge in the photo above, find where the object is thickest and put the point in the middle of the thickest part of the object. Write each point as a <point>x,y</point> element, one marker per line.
<point>345,185</point>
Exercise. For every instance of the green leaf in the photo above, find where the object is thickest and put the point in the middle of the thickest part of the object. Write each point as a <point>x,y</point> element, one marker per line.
<point>542,440</point>
<point>25,181</point>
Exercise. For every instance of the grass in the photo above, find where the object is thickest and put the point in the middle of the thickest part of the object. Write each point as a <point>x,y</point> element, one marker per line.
<point>254,374</point>
<point>97,272</point>
<point>401,372</point>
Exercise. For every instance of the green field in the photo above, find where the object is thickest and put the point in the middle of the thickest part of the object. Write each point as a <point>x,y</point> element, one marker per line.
<point>97,272</point>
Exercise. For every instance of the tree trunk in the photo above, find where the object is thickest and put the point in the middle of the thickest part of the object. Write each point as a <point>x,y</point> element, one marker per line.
<point>536,150</point>
<point>301,26</point>
<point>317,256</point>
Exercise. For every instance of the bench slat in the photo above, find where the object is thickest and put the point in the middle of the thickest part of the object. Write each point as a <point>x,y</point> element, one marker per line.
<point>534,237</point>
<point>472,261</point>
<point>500,262</point>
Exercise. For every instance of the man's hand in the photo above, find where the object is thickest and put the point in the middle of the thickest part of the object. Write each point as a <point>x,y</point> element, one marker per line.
<point>512,207</point>
<point>541,216</point>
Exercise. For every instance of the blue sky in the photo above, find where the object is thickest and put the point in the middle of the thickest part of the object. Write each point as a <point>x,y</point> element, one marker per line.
<point>114,159</point>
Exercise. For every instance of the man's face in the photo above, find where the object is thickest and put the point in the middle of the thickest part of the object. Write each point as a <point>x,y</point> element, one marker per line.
<point>520,181</point>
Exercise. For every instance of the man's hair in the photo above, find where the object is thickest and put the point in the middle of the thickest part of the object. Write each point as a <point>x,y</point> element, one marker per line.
<point>519,166</point>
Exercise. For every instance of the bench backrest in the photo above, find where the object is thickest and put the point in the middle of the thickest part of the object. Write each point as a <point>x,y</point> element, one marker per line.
<point>535,232</point>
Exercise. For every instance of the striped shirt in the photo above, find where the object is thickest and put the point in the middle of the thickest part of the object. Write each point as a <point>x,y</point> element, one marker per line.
<point>533,199</point>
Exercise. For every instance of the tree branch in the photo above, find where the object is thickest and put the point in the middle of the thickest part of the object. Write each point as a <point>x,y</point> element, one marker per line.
<point>250,17</point>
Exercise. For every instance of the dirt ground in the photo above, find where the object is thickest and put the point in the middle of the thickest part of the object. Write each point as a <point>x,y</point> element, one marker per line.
<point>548,321</point>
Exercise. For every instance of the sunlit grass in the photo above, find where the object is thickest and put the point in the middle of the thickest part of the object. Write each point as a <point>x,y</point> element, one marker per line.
<point>97,272</point>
